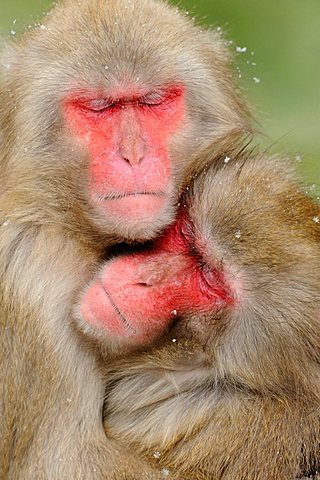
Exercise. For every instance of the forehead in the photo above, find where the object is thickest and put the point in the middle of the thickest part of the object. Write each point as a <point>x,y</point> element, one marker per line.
<point>118,40</point>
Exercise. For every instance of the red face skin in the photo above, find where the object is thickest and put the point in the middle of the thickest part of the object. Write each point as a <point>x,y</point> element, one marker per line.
<point>138,295</point>
<point>127,134</point>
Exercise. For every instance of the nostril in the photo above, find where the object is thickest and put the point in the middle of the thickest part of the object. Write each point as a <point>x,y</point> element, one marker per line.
<point>133,159</point>
<point>148,276</point>
<point>143,284</point>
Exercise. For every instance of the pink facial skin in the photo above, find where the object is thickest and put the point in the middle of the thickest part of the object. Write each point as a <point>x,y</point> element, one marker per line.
<point>127,135</point>
<point>138,295</point>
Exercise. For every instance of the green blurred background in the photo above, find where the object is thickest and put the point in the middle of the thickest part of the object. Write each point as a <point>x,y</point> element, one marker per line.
<point>279,70</point>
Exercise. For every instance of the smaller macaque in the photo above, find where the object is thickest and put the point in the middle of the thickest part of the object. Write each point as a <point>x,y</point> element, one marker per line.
<point>231,391</point>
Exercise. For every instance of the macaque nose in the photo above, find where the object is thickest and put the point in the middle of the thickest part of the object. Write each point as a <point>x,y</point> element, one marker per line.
<point>133,152</point>
<point>132,146</point>
<point>159,270</point>
<point>150,276</point>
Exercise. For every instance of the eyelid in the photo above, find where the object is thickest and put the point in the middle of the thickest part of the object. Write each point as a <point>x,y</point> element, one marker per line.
<point>152,99</point>
<point>98,105</point>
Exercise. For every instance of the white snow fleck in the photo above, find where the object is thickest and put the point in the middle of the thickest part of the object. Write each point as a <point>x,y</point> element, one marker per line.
<point>174,340</point>
<point>174,312</point>
<point>316,219</point>
<point>165,472</point>
<point>241,49</point>
<point>157,455</point>
<point>238,234</point>
<point>256,80</point>
<point>5,223</point>
<point>227,159</point>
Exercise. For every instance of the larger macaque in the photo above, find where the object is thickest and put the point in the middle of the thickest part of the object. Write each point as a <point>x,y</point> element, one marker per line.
<point>106,110</point>
<point>232,391</point>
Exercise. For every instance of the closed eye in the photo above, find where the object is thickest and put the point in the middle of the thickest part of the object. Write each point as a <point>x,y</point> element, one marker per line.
<point>98,105</point>
<point>152,99</point>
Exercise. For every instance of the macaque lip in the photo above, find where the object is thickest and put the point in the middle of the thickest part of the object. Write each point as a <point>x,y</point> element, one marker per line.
<point>118,312</point>
<point>99,310</point>
<point>133,206</point>
<point>130,194</point>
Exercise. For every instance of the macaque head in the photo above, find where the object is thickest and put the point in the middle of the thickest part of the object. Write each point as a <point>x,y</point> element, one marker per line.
<point>137,298</point>
<point>234,261</point>
<point>114,105</point>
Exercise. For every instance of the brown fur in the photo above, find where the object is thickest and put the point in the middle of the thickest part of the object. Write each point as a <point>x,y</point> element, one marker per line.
<point>51,241</point>
<point>236,396</point>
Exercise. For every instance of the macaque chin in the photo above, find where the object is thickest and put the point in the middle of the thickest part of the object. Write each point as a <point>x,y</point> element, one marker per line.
<point>230,296</point>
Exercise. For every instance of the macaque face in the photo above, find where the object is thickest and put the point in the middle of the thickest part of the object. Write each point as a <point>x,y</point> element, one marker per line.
<point>127,134</point>
<point>137,297</point>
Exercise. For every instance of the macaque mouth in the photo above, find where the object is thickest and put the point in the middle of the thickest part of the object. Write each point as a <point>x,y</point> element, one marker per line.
<point>119,313</point>
<point>131,194</point>
<point>135,206</point>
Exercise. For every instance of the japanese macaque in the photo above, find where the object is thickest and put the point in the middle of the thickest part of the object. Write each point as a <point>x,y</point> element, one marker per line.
<point>106,110</point>
<point>232,389</point>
